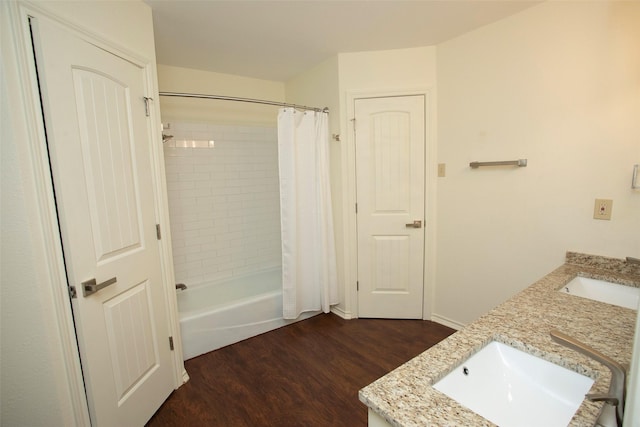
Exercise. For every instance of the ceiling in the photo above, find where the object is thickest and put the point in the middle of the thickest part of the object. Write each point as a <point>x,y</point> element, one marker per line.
<point>276,40</point>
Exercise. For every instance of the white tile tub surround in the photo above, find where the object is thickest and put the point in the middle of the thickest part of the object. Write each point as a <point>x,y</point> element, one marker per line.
<point>223,192</point>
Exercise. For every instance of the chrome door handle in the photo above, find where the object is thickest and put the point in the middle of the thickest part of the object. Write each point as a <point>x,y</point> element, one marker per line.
<point>415,224</point>
<point>91,287</point>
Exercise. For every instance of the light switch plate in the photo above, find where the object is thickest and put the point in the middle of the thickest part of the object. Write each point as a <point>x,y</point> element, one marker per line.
<point>602,209</point>
<point>442,169</point>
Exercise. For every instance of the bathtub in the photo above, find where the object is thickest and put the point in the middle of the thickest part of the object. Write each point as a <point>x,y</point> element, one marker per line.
<point>216,314</point>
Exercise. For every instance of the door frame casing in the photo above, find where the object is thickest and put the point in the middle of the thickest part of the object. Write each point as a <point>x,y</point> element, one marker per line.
<point>45,214</point>
<point>350,238</point>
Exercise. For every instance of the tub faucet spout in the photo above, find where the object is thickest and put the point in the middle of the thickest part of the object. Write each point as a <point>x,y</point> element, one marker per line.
<point>614,399</point>
<point>181,286</point>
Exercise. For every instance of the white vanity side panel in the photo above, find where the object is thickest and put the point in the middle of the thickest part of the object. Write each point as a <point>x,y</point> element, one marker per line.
<point>376,420</point>
<point>632,404</point>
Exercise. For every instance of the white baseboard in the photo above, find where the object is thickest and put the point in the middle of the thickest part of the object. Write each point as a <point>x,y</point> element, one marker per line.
<point>434,318</point>
<point>447,322</point>
<point>340,312</point>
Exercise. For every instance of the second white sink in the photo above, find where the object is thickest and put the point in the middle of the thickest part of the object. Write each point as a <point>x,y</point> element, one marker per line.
<point>599,290</point>
<point>512,388</point>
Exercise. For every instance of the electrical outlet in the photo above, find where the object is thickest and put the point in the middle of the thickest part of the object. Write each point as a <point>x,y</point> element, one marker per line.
<point>442,169</point>
<point>602,209</point>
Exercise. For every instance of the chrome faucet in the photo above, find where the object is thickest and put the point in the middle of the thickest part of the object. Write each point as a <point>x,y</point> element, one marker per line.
<point>632,260</point>
<point>181,286</point>
<point>613,412</point>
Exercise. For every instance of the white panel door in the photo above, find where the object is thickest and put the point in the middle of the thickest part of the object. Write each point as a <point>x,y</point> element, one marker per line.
<point>390,188</point>
<point>99,149</point>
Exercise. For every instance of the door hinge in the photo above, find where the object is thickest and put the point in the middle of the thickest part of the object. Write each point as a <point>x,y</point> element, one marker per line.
<point>72,292</point>
<point>357,285</point>
<point>356,208</point>
<point>147,111</point>
<point>158,232</point>
<point>171,343</point>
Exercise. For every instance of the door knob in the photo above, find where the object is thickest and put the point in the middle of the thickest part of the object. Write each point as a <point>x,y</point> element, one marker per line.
<point>415,224</point>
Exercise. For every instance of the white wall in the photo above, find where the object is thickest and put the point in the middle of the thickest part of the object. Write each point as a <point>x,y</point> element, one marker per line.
<point>318,87</point>
<point>31,359</point>
<point>223,201</point>
<point>178,79</point>
<point>558,84</point>
<point>387,70</point>
<point>33,380</point>
<point>329,84</point>
<point>367,74</point>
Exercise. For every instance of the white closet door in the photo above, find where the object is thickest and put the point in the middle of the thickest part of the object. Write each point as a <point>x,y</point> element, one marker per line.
<point>99,147</point>
<point>390,180</point>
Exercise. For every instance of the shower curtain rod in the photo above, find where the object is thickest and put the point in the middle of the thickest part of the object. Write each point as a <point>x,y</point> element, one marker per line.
<point>253,101</point>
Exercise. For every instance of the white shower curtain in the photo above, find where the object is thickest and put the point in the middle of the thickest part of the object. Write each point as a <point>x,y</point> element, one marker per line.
<point>309,278</point>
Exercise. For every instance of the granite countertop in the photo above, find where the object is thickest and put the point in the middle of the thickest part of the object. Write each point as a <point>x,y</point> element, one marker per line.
<point>405,397</point>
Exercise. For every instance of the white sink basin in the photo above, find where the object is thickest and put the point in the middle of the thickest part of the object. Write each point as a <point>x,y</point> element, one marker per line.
<point>599,290</point>
<point>512,388</point>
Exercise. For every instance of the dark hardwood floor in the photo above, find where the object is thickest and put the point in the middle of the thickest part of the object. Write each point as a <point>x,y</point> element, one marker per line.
<point>305,374</point>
